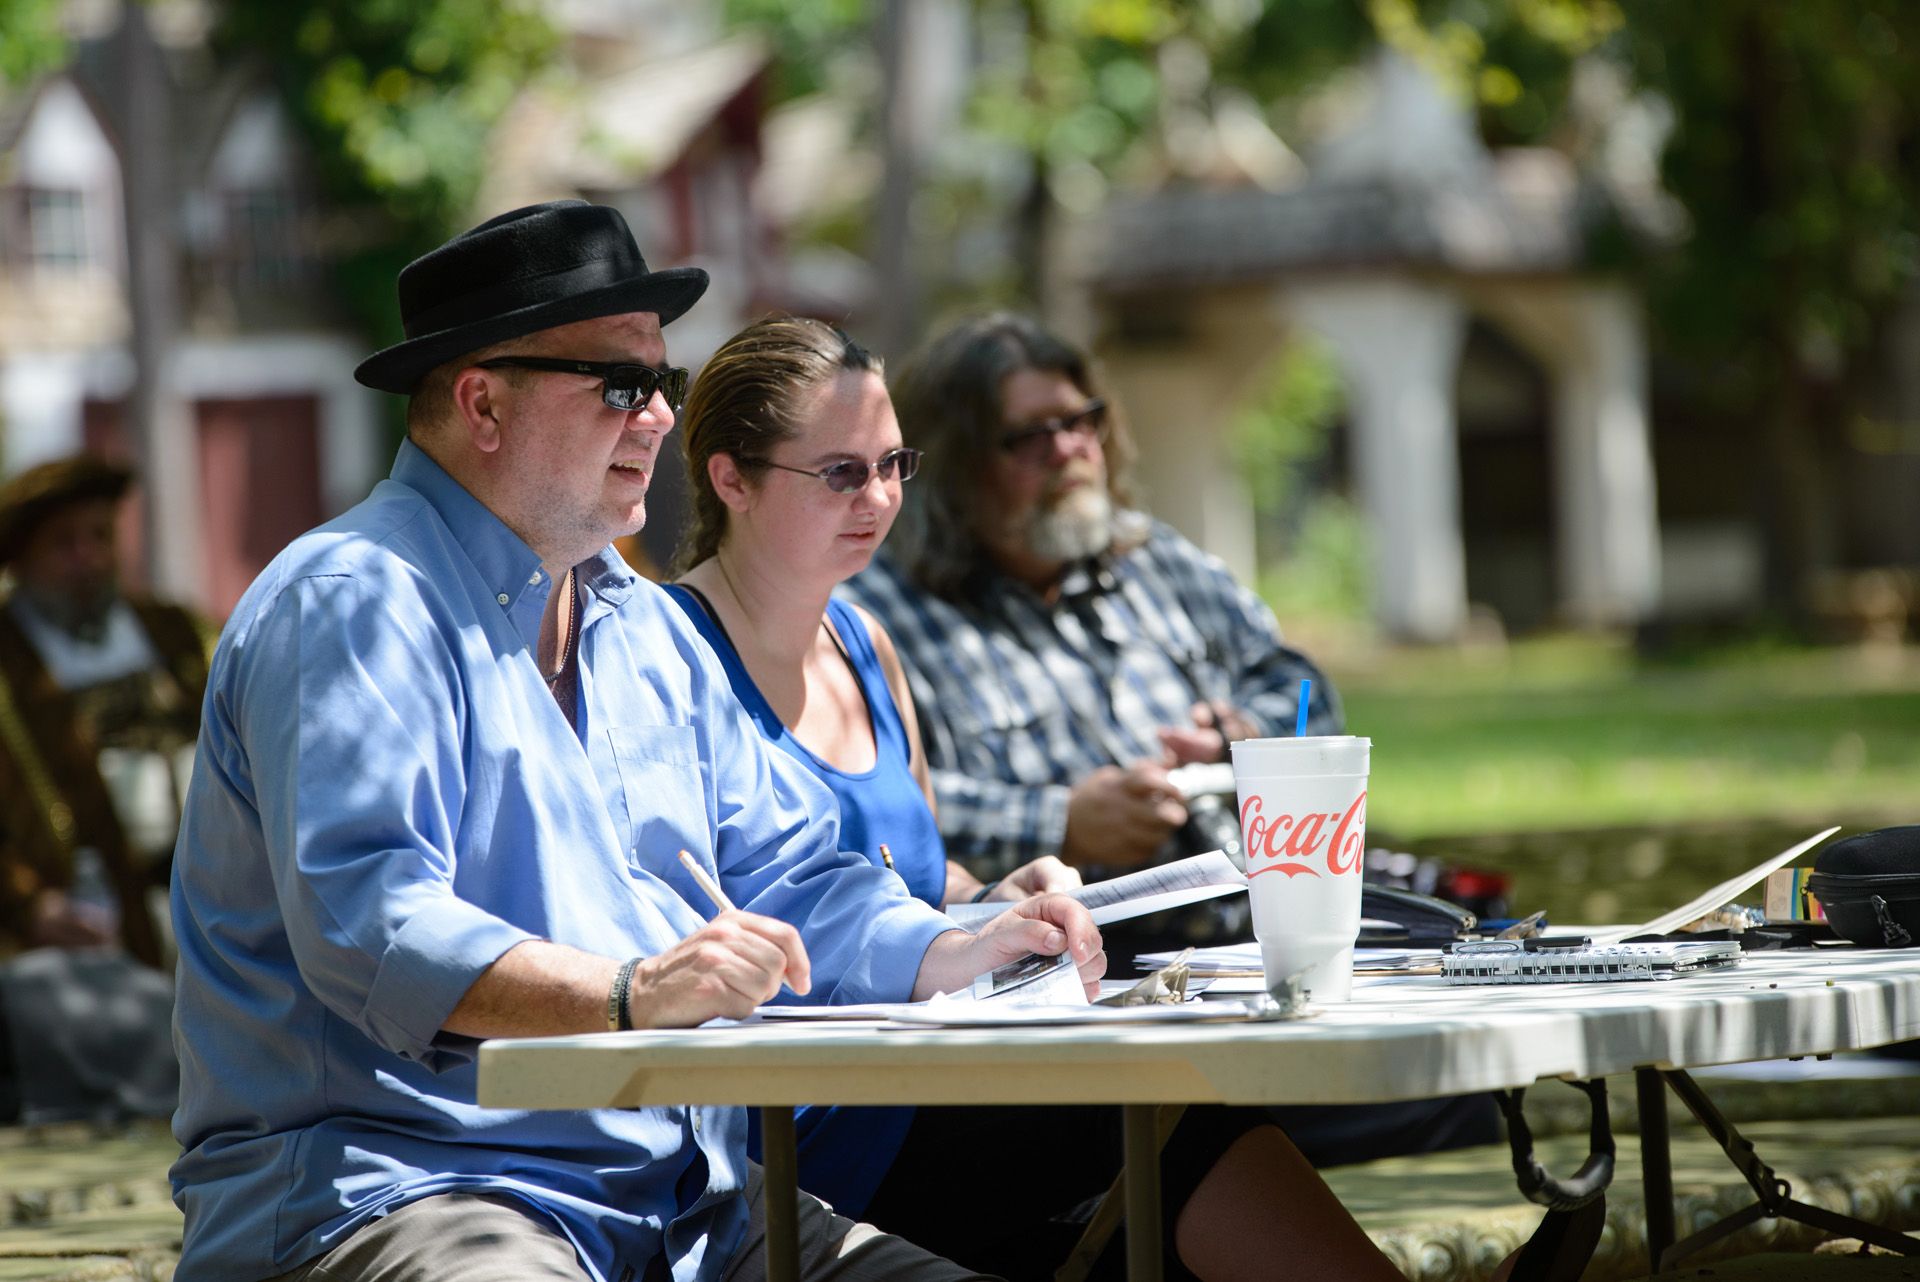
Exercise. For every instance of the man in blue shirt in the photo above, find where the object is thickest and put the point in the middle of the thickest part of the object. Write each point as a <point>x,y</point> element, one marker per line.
<point>451,749</point>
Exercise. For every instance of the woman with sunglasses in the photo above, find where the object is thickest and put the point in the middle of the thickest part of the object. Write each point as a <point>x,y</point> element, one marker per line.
<point>796,467</point>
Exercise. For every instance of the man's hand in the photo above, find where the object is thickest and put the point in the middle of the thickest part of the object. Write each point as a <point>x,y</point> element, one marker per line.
<point>1045,924</point>
<point>58,920</point>
<point>1120,818</point>
<point>1215,725</point>
<point>1043,876</point>
<point>732,964</point>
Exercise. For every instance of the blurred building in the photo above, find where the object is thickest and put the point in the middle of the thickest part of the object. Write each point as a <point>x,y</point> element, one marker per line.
<point>261,363</point>
<point>651,111</point>
<point>1497,429</point>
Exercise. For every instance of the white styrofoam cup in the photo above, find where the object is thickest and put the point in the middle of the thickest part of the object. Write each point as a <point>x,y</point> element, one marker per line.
<point>1303,818</point>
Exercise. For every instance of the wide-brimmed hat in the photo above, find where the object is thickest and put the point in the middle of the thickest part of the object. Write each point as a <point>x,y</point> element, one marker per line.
<point>527,270</point>
<point>37,493</point>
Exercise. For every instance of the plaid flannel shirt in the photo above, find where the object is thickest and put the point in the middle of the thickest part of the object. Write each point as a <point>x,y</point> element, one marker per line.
<point>1019,699</point>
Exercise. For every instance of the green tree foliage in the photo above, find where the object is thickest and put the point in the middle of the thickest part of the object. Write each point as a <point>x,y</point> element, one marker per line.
<point>1796,153</point>
<point>811,37</point>
<point>1312,540</point>
<point>398,97</point>
<point>30,39</point>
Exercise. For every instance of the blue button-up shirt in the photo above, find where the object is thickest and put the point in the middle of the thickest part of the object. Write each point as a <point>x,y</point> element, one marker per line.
<point>386,799</point>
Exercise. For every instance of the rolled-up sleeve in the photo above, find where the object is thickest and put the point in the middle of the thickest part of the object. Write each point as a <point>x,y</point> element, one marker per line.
<point>359,712</point>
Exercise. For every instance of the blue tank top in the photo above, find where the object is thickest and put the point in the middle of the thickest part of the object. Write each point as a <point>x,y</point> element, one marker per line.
<point>880,806</point>
<point>844,1150</point>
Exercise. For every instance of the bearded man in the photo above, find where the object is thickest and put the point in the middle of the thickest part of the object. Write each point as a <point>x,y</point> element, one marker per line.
<point>1065,652</point>
<point>99,705</point>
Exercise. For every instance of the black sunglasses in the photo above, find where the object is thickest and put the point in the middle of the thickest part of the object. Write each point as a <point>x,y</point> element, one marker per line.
<point>845,478</point>
<point>1034,442</point>
<point>622,387</point>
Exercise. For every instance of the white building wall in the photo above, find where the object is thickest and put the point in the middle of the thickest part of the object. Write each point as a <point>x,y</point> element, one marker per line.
<point>1399,344</point>
<point>63,146</point>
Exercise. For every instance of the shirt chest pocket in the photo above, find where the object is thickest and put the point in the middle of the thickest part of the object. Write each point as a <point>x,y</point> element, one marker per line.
<point>664,787</point>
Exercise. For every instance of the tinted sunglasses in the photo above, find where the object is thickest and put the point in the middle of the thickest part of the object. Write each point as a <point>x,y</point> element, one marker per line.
<point>1034,442</point>
<point>845,478</point>
<point>622,387</point>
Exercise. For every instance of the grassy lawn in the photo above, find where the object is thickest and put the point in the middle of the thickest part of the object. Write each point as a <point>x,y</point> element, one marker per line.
<point>1569,733</point>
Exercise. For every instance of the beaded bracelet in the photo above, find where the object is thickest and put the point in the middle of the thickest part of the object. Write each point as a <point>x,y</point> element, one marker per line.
<point>619,1017</point>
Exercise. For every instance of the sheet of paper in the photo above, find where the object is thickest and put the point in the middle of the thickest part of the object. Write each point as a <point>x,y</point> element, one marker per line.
<point>1151,890</point>
<point>1726,892</point>
<point>1001,1014</point>
<point>1243,960</point>
<point>828,1014</point>
<point>1033,980</point>
<point>1221,959</point>
<point>1395,961</point>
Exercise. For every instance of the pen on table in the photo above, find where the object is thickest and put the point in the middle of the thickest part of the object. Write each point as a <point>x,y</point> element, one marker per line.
<point>704,879</point>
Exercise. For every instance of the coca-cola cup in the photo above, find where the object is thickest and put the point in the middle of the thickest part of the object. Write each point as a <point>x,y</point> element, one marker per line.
<point>1303,817</point>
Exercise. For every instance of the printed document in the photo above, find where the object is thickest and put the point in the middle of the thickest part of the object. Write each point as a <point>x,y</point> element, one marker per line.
<point>1185,881</point>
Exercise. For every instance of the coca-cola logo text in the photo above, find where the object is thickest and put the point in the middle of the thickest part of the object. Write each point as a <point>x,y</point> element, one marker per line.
<point>1291,843</point>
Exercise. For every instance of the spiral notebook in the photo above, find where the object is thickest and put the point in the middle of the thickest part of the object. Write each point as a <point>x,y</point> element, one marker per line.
<point>1508,961</point>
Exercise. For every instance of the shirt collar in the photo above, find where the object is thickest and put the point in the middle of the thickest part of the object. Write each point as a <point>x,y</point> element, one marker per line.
<point>1090,577</point>
<point>502,557</point>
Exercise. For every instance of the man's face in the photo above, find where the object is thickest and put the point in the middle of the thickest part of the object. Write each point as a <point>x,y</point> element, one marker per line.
<point>1047,503</point>
<point>571,473</point>
<point>70,565</point>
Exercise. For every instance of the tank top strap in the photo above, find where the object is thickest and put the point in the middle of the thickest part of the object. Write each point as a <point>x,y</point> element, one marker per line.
<point>869,672</point>
<point>693,603</point>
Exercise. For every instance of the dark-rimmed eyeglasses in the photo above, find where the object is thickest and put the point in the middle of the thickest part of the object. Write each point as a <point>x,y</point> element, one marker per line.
<point>622,387</point>
<point>845,478</point>
<point>1034,442</point>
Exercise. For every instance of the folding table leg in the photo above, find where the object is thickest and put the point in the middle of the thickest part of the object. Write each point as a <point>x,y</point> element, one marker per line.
<point>1775,1195</point>
<point>1143,1192</point>
<point>781,1170</point>
<point>1656,1162</point>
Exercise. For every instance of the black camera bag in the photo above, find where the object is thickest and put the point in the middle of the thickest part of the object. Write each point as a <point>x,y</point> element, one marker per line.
<point>1869,887</point>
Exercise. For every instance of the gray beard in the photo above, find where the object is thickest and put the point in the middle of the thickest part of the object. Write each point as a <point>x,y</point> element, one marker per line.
<point>1073,531</point>
<point>81,616</point>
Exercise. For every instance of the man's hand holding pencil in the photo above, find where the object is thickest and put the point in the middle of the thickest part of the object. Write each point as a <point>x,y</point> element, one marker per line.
<point>734,963</point>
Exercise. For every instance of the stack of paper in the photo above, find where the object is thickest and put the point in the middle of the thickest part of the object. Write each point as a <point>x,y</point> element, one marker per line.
<point>1244,959</point>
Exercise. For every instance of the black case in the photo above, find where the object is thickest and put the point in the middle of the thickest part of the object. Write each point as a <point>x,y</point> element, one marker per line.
<point>1869,887</point>
<point>1426,920</point>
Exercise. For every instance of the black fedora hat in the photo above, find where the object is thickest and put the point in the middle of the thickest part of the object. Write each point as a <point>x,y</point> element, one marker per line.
<point>526,270</point>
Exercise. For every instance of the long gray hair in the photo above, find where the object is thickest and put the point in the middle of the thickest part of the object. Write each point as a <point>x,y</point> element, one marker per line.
<point>947,397</point>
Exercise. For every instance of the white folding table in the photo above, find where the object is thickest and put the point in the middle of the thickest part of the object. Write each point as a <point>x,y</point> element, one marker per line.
<point>1405,1038</point>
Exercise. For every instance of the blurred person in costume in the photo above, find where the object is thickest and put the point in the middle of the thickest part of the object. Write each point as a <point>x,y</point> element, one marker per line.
<point>99,705</point>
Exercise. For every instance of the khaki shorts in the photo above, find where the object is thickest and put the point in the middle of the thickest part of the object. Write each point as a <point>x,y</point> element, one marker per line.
<point>483,1237</point>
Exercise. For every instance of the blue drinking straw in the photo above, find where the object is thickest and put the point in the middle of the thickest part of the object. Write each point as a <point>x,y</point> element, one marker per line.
<point>1300,722</point>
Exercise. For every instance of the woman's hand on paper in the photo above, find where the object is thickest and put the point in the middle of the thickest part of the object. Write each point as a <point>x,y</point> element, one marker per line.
<point>1044,924</point>
<point>1044,876</point>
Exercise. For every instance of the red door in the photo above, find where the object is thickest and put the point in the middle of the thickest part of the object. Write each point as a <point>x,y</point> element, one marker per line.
<point>259,486</point>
